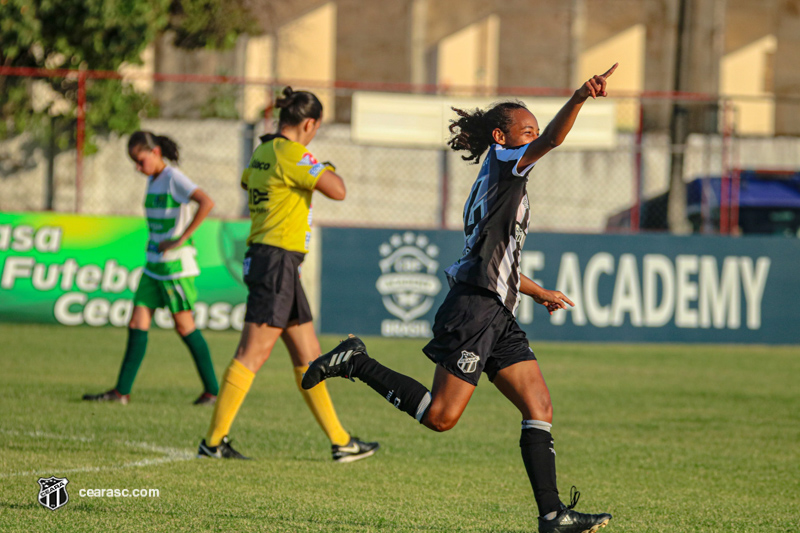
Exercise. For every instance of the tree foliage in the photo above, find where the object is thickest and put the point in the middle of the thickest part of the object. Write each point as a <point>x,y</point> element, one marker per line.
<point>74,34</point>
<point>210,23</point>
<point>96,35</point>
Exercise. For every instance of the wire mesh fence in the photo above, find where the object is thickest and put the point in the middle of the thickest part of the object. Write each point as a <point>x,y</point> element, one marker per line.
<point>67,161</point>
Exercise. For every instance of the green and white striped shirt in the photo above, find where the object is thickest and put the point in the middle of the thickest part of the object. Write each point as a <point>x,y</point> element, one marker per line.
<point>168,215</point>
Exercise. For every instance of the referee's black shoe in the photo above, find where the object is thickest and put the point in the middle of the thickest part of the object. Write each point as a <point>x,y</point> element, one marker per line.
<point>337,362</point>
<point>569,521</point>
<point>353,450</point>
<point>223,451</point>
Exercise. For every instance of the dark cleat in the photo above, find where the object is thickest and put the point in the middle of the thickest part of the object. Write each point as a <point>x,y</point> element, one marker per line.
<point>223,451</point>
<point>353,450</point>
<point>206,399</point>
<point>569,521</point>
<point>110,396</point>
<point>337,362</point>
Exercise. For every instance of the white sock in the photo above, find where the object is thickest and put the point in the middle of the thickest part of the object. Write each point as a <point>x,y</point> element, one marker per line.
<point>422,408</point>
<point>536,424</point>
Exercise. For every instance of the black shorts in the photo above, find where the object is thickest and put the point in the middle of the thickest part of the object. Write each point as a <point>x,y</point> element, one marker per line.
<point>474,332</point>
<point>274,294</point>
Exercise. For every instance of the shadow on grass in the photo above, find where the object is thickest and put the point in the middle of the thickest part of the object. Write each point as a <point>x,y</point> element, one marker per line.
<point>24,506</point>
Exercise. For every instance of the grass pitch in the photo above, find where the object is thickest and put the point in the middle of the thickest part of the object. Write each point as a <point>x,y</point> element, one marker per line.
<point>666,438</point>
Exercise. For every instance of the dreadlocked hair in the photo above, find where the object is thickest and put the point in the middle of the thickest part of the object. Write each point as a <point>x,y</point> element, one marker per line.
<point>473,131</point>
<point>149,140</point>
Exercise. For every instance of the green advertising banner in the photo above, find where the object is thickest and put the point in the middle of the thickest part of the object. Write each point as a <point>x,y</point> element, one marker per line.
<point>75,270</point>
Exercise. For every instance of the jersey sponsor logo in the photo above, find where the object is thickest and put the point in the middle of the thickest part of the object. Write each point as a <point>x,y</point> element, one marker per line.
<point>256,196</point>
<point>408,283</point>
<point>520,234</point>
<point>157,201</point>
<point>468,362</point>
<point>317,169</point>
<point>259,165</point>
<point>307,160</point>
<point>53,492</point>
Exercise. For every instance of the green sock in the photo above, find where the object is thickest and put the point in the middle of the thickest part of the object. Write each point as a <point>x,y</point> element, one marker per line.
<point>202,359</point>
<point>134,353</point>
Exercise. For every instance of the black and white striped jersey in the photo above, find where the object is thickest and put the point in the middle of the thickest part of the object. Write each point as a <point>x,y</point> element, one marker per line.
<point>496,217</point>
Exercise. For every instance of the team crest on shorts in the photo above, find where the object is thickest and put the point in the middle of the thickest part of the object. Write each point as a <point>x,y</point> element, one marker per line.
<point>468,362</point>
<point>53,492</point>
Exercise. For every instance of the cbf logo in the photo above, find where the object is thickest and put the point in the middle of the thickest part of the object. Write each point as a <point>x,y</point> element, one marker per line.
<point>53,492</point>
<point>408,283</point>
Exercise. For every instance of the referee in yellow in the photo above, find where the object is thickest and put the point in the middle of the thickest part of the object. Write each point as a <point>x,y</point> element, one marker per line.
<point>280,180</point>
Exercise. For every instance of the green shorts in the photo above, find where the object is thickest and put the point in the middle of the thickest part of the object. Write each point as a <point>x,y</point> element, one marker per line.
<point>174,294</point>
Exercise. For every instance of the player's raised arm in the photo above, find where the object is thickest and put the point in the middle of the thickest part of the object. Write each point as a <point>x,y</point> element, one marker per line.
<point>558,128</point>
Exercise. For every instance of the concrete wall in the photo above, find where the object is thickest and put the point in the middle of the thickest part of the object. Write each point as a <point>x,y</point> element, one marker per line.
<point>535,43</point>
<point>569,190</point>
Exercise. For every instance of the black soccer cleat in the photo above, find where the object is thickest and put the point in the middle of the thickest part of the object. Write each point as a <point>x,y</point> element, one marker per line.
<point>353,450</point>
<point>205,399</point>
<point>337,362</point>
<point>223,451</point>
<point>109,396</point>
<point>569,521</point>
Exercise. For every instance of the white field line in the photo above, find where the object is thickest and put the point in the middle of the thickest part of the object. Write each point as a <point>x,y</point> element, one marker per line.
<point>170,454</point>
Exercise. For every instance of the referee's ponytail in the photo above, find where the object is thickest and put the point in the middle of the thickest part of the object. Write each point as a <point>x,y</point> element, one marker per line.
<point>473,131</point>
<point>149,140</point>
<point>296,106</point>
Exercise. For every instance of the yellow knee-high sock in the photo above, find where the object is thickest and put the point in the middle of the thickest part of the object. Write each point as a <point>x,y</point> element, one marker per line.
<point>319,401</point>
<point>235,383</point>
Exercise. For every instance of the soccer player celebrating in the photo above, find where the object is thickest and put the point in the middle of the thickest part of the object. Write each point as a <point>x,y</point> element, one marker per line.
<point>280,180</point>
<point>168,276</point>
<point>475,329</point>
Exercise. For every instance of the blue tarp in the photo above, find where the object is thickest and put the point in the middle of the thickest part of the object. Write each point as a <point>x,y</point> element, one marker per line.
<point>755,190</point>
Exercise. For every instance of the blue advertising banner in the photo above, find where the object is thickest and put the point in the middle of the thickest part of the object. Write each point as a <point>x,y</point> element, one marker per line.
<point>627,288</point>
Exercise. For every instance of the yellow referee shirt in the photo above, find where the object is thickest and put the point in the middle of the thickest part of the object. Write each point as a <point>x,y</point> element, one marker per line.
<point>279,181</point>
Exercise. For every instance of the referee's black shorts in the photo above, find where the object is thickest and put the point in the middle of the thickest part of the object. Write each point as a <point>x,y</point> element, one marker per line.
<point>274,294</point>
<point>474,332</point>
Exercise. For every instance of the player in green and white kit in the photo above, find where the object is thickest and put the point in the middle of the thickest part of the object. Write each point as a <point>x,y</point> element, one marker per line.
<point>168,276</point>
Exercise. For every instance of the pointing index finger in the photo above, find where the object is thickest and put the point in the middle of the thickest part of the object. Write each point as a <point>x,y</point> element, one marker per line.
<point>610,71</point>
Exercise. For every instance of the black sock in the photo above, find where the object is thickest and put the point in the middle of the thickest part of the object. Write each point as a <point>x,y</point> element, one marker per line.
<point>539,457</point>
<point>405,393</point>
